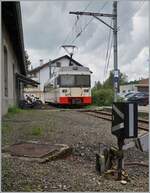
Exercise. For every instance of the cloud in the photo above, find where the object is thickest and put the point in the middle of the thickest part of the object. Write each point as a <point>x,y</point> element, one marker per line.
<point>46,25</point>
<point>138,68</point>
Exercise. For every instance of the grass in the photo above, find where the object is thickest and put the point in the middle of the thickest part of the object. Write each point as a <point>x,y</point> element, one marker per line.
<point>90,106</point>
<point>6,129</point>
<point>143,115</point>
<point>36,131</point>
<point>14,110</point>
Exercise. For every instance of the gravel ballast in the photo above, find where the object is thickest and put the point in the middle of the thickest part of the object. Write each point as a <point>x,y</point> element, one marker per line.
<point>73,173</point>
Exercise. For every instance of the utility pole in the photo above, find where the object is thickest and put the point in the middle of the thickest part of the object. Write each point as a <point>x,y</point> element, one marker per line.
<point>114,28</point>
<point>116,71</point>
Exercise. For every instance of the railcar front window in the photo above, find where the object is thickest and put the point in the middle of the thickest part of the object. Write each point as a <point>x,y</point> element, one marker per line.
<point>83,80</point>
<point>67,80</point>
<point>75,80</point>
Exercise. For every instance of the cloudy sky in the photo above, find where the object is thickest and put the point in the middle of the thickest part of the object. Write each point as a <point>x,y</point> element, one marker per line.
<point>47,25</point>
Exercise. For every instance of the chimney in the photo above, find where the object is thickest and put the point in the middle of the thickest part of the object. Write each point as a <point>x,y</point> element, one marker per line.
<point>41,62</point>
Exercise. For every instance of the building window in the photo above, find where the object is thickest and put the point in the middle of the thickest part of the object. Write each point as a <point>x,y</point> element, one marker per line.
<point>5,71</point>
<point>70,64</point>
<point>58,64</point>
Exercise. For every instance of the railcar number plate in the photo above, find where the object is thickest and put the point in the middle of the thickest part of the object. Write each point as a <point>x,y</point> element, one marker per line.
<point>76,101</point>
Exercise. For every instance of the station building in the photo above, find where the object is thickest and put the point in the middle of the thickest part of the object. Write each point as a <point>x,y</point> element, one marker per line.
<point>13,71</point>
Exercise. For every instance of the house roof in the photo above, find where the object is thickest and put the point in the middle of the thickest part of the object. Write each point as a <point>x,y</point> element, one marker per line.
<point>144,81</point>
<point>26,80</point>
<point>52,61</point>
<point>11,18</point>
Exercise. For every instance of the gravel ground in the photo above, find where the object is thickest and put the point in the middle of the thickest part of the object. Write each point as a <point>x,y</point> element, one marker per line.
<point>74,173</point>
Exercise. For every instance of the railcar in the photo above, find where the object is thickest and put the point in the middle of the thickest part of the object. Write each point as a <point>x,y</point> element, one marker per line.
<point>68,86</point>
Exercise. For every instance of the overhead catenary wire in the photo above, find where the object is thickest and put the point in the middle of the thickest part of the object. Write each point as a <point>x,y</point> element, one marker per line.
<point>108,57</point>
<point>90,20</point>
<point>108,51</point>
<point>108,61</point>
<point>75,23</point>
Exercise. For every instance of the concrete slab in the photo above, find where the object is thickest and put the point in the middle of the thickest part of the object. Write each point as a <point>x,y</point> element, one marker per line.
<point>35,151</point>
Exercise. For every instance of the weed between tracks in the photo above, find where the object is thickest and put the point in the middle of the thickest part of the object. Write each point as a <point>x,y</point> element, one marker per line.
<point>37,131</point>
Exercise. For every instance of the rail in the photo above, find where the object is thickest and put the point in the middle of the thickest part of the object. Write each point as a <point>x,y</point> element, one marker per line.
<point>142,123</point>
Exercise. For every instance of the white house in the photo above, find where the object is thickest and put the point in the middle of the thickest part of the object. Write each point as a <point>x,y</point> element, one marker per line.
<point>45,71</point>
<point>141,86</point>
<point>124,89</point>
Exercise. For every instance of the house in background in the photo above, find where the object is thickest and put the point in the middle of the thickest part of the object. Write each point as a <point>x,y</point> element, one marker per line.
<point>124,89</point>
<point>13,73</point>
<point>45,71</point>
<point>142,86</point>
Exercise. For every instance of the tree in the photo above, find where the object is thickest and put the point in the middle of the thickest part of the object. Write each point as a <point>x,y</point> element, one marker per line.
<point>109,81</point>
<point>27,62</point>
<point>123,78</point>
<point>102,94</point>
<point>97,85</point>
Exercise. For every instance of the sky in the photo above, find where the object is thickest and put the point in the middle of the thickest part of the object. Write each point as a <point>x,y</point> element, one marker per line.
<point>47,25</point>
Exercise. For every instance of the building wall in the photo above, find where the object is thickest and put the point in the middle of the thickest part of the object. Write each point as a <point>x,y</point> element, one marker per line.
<point>13,67</point>
<point>124,89</point>
<point>44,74</point>
<point>143,88</point>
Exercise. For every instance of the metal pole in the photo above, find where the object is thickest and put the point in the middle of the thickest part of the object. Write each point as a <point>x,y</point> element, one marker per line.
<point>116,74</point>
<point>120,141</point>
<point>50,69</point>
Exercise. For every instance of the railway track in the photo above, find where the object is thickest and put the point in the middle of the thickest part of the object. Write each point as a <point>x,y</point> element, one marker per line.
<point>143,124</point>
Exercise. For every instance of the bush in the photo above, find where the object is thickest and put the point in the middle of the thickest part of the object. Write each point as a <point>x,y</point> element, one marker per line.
<point>102,97</point>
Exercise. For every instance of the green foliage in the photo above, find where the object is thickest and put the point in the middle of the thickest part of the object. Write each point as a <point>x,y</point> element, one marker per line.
<point>6,129</point>
<point>134,82</point>
<point>14,110</point>
<point>102,96</point>
<point>37,131</point>
<point>89,106</point>
<point>120,99</point>
<point>97,85</point>
<point>109,81</point>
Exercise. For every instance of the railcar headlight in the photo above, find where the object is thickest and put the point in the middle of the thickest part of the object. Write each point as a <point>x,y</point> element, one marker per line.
<point>86,90</point>
<point>64,90</point>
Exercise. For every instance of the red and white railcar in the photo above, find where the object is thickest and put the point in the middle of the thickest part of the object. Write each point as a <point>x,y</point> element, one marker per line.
<point>69,85</point>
